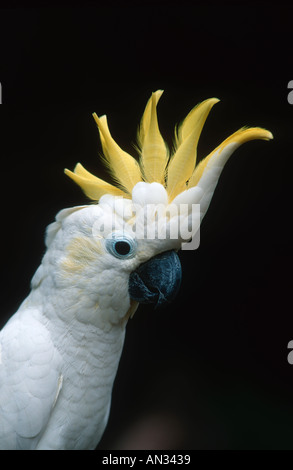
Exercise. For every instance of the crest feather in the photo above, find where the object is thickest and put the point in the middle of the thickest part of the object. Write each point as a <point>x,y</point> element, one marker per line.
<point>177,175</point>
<point>92,186</point>
<point>220,155</point>
<point>154,152</point>
<point>146,117</point>
<point>183,161</point>
<point>123,167</point>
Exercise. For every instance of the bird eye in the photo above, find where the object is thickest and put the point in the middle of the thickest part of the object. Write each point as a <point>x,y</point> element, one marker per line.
<point>121,245</point>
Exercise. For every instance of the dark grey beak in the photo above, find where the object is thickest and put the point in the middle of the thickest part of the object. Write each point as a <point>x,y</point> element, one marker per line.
<point>156,281</point>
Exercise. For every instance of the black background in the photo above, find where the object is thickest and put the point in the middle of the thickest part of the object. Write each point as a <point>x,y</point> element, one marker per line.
<point>209,371</point>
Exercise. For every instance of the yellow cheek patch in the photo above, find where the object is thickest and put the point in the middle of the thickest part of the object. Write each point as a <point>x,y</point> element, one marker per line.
<point>81,252</point>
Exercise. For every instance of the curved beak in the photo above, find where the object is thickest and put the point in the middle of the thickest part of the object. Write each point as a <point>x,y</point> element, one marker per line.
<point>156,281</point>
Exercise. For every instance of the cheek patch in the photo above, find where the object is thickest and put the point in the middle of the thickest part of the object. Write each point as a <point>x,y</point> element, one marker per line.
<point>81,252</point>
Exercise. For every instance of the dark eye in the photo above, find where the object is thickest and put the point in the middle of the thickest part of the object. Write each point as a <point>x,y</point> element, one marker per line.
<point>121,245</point>
<point>122,248</point>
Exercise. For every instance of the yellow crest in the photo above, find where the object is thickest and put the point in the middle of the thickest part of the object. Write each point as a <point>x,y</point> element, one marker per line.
<point>176,173</point>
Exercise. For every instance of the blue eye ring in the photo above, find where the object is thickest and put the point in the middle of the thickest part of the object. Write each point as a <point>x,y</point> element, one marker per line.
<point>121,245</point>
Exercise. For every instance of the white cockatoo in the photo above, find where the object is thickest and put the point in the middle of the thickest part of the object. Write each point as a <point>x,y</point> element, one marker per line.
<point>60,351</point>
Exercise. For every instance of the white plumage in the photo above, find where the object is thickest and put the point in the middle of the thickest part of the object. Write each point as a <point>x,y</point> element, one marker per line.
<point>60,352</point>
<point>59,356</point>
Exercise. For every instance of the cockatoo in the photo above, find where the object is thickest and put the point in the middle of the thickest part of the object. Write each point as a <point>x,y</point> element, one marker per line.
<point>60,351</point>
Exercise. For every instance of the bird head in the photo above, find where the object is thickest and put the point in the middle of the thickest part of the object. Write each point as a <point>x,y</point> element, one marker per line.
<point>125,244</point>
